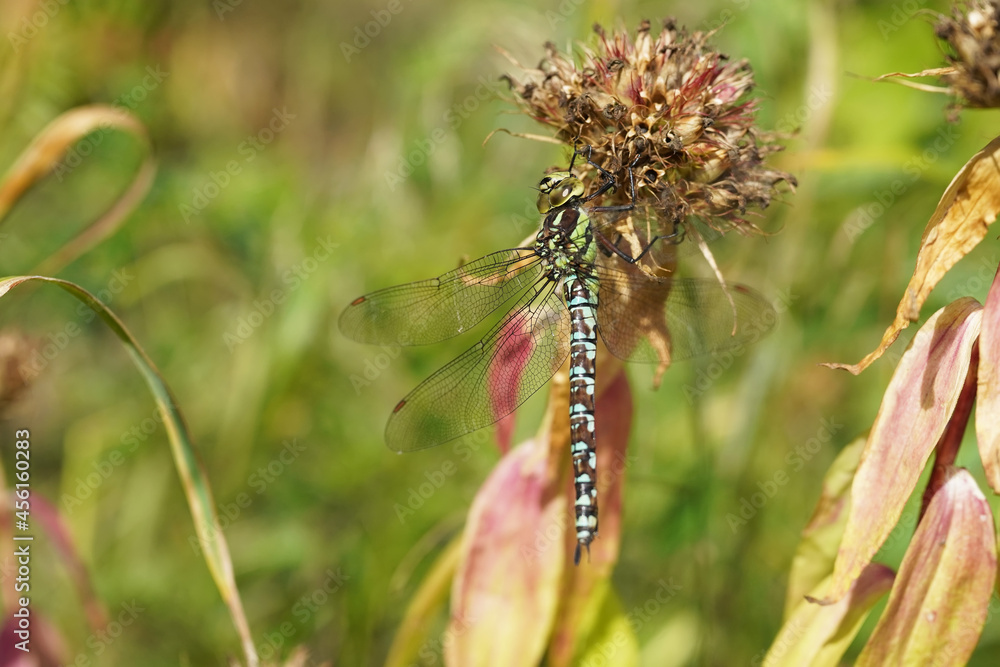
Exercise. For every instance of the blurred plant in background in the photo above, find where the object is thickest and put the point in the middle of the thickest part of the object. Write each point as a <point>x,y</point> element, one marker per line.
<point>380,174</point>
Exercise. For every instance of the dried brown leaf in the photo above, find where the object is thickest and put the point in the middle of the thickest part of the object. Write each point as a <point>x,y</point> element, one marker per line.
<point>960,221</point>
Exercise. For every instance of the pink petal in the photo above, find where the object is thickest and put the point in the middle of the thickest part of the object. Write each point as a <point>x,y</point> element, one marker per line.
<point>940,600</point>
<point>914,413</point>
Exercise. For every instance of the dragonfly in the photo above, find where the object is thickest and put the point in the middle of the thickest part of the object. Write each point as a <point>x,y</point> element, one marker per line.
<point>573,283</point>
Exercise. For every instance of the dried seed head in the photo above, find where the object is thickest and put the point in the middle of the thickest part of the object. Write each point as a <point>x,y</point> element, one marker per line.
<point>972,35</point>
<point>15,361</point>
<point>671,101</point>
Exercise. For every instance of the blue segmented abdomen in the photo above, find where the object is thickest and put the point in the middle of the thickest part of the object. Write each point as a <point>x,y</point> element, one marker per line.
<point>582,302</point>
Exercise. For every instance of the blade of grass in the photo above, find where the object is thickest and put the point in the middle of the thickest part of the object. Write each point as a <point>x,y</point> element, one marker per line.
<point>46,152</point>
<point>193,478</point>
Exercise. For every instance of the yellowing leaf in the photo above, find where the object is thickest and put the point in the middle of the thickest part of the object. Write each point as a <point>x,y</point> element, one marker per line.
<point>194,481</point>
<point>818,635</point>
<point>432,594</point>
<point>960,221</point>
<point>915,410</point>
<point>614,645</point>
<point>817,551</point>
<point>939,602</point>
<point>988,388</point>
<point>46,152</point>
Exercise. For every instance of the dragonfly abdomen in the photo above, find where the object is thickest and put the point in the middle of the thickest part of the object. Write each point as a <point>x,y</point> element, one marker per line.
<point>582,302</point>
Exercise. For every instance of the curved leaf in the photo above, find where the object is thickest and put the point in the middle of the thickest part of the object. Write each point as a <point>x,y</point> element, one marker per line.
<point>818,635</point>
<point>915,410</point>
<point>193,478</point>
<point>940,599</point>
<point>817,551</point>
<point>45,153</point>
<point>963,216</point>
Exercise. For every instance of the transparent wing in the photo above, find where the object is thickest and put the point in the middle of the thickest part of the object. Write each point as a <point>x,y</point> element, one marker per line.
<point>490,379</point>
<point>432,310</point>
<point>644,223</point>
<point>638,314</point>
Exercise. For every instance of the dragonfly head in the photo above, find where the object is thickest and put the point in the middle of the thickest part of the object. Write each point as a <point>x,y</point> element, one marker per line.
<point>557,189</point>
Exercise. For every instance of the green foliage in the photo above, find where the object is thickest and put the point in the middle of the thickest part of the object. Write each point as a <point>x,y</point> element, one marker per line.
<point>246,249</point>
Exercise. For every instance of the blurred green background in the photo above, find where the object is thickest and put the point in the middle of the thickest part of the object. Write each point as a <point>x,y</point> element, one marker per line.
<point>313,213</point>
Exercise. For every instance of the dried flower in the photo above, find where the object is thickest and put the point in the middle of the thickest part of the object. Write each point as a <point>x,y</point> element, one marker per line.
<point>973,36</point>
<point>672,102</point>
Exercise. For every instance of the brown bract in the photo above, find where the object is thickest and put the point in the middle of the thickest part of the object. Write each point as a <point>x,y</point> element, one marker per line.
<point>669,100</point>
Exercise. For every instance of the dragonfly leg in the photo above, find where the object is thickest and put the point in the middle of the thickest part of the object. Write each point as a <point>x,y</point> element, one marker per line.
<point>613,247</point>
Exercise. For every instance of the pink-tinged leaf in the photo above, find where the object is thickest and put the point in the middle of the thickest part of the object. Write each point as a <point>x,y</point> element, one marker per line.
<point>939,602</point>
<point>915,410</point>
<point>506,591</point>
<point>988,390</point>
<point>817,551</point>
<point>583,584</point>
<point>818,635</point>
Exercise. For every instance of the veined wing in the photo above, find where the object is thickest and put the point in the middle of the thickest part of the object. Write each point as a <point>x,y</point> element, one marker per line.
<point>694,317</point>
<point>643,223</point>
<point>432,310</point>
<point>490,379</point>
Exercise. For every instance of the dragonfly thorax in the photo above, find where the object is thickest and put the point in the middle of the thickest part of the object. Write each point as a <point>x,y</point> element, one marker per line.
<point>565,243</point>
<point>558,189</point>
